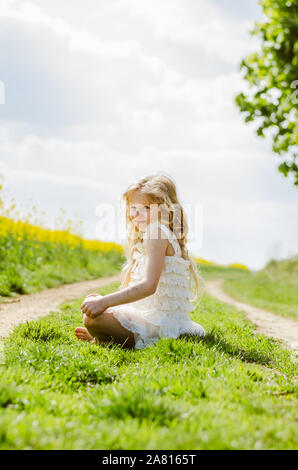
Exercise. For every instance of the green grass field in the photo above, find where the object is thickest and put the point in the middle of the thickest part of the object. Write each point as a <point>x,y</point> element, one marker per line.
<point>233,389</point>
<point>274,288</point>
<point>29,265</point>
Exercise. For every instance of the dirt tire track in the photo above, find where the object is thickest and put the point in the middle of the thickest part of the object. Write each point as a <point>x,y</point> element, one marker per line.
<point>267,323</point>
<point>37,305</point>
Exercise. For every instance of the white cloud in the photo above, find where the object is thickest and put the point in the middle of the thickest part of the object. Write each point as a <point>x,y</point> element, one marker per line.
<point>195,22</point>
<point>28,12</point>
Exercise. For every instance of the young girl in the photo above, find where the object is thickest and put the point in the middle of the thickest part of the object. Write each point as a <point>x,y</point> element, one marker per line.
<point>154,299</point>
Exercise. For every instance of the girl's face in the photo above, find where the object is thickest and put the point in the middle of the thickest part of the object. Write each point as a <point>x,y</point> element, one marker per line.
<point>139,211</point>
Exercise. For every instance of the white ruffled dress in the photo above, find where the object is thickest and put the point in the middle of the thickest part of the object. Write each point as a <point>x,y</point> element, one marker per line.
<point>166,312</point>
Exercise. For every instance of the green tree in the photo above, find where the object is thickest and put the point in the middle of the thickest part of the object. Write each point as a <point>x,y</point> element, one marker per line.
<point>272,75</point>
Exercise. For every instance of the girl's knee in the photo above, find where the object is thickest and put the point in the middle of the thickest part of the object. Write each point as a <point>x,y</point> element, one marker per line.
<point>89,322</point>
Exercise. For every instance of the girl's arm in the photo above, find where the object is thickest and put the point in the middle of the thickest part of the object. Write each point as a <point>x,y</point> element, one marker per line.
<point>156,250</point>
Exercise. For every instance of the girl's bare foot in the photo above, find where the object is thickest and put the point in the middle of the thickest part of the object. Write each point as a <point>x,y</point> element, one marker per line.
<point>83,334</point>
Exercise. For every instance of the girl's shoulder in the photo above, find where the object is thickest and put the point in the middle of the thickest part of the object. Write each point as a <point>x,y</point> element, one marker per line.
<point>157,229</point>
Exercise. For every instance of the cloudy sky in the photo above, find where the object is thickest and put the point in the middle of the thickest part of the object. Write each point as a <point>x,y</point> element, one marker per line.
<point>97,94</point>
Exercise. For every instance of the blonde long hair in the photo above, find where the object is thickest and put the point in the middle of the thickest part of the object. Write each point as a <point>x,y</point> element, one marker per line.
<point>161,190</point>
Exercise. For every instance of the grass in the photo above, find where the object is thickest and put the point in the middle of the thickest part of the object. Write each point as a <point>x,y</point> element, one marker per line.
<point>274,288</point>
<point>233,389</point>
<point>29,265</point>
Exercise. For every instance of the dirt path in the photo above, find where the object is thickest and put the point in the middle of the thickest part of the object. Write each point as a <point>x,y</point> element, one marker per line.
<point>40,304</point>
<point>267,323</point>
<point>33,306</point>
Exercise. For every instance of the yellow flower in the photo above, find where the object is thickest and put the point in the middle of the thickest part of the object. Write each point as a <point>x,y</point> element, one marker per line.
<point>21,229</point>
<point>239,266</point>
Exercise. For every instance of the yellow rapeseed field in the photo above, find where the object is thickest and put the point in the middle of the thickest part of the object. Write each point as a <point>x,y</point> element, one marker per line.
<point>23,230</point>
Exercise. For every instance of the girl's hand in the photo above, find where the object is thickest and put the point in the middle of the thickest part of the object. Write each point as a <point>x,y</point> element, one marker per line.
<point>93,307</point>
<point>91,295</point>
